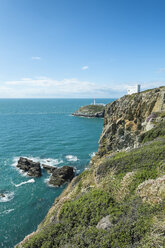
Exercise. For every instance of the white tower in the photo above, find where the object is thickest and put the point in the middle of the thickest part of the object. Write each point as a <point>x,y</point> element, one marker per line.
<point>134,89</point>
<point>138,88</point>
<point>94,102</point>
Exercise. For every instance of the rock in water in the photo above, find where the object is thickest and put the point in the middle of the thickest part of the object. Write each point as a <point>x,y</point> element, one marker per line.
<point>2,195</point>
<point>32,168</point>
<point>49,168</point>
<point>61,175</point>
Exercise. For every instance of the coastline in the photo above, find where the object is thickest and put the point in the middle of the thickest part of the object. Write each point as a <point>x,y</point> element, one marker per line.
<point>117,180</point>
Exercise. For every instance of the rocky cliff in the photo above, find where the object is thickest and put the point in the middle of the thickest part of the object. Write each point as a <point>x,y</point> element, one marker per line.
<point>119,201</point>
<point>129,116</point>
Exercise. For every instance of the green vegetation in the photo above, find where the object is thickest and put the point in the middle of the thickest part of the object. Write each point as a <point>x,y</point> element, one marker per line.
<point>136,221</point>
<point>92,108</point>
<point>154,133</point>
<point>91,111</point>
<point>145,157</point>
<point>88,209</point>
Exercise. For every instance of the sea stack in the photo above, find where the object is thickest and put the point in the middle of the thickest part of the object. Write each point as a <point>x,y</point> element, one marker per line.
<point>32,168</point>
<point>62,175</point>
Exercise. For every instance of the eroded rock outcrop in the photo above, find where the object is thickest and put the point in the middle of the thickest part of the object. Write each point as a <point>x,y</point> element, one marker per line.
<point>49,168</point>
<point>61,175</point>
<point>58,176</point>
<point>32,168</point>
<point>126,118</point>
<point>104,223</point>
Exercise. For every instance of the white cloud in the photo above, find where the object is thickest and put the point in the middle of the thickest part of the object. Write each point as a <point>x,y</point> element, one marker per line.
<point>44,87</point>
<point>47,87</point>
<point>85,68</point>
<point>36,58</point>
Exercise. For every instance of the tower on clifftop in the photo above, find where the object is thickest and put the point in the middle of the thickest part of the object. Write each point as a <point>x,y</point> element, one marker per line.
<point>134,89</point>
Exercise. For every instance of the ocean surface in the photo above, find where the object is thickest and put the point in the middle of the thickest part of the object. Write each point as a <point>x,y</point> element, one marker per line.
<point>43,130</point>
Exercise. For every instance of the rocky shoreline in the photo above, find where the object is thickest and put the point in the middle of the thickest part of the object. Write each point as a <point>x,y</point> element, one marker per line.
<point>119,201</point>
<point>58,177</point>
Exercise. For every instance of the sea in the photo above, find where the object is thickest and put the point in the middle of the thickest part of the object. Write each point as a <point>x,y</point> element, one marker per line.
<point>43,130</point>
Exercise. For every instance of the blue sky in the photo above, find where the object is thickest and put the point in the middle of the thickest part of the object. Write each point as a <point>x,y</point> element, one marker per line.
<point>80,48</point>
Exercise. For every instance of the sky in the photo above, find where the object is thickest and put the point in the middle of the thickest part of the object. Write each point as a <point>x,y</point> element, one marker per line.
<point>80,48</point>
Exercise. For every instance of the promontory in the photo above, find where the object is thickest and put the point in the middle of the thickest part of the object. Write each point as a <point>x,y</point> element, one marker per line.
<point>119,201</point>
<point>91,111</point>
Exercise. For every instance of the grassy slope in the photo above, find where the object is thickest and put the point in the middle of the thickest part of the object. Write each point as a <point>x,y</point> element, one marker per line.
<point>117,186</point>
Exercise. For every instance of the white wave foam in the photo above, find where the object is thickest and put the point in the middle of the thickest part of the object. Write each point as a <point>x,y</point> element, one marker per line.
<point>47,161</point>
<point>29,181</point>
<point>7,211</point>
<point>8,197</point>
<point>92,154</point>
<point>47,182</point>
<point>15,161</point>
<point>50,161</point>
<point>71,158</point>
<point>14,164</point>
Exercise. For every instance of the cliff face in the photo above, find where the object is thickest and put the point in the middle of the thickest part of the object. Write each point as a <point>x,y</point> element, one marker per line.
<point>120,200</point>
<point>126,118</point>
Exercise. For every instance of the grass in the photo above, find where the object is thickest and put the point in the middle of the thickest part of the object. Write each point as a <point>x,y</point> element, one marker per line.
<point>91,109</point>
<point>154,133</point>
<point>122,184</point>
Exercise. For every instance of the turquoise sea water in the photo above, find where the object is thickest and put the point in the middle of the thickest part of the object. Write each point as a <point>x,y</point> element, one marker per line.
<point>44,130</point>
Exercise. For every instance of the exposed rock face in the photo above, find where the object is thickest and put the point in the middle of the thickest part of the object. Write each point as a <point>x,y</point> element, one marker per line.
<point>33,169</point>
<point>152,191</point>
<point>117,183</point>
<point>104,223</point>
<point>92,111</point>
<point>128,117</point>
<point>61,175</point>
<point>49,168</point>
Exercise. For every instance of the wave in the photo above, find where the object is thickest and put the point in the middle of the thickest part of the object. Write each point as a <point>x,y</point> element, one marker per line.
<point>47,182</point>
<point>47,161</point>
<point>7,211</point>
<point>92,154</point>
<point>29,181</point>
<point>8,197</point>
<point>71,158</point>
<point>15,161</point>
<point>14,164</point>
<point>51,161</point>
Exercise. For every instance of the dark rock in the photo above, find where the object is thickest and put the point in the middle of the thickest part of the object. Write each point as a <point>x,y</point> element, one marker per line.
<point>33,169</point>
<point>49,168</point>
<point>2,195</point>
<point>61,175</point>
